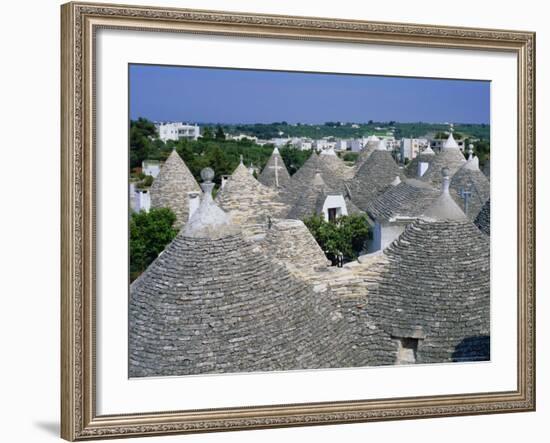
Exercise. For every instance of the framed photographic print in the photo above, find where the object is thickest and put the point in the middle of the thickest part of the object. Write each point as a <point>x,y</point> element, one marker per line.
<point>282,221</point>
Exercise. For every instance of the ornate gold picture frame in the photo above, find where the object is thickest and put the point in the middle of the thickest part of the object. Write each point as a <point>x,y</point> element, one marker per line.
<point>80,22</point>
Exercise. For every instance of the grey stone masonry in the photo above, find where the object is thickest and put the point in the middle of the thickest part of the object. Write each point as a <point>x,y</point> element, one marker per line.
<point>334,171</point>
<point>483,219</point>
<point>407,199</point>
<point>334,166</point>
<point>248,201</point>
<point>312,196</point>
<point>435,290</point>
<point>473,181</point>
<point>411,170</point>
<point>373,178</point>
<point>487,168</point>
<point>171,186</point>
<point>220,305</point>
<point>364,155</point>
<point>289,242</point>
<point>275,174</point>
<point>450,158</point>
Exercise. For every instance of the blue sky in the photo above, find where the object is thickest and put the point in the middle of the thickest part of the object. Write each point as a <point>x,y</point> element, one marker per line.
<point>217,95</point>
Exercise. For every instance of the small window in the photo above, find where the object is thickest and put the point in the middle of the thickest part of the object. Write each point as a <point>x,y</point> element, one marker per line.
<point>332,212</point>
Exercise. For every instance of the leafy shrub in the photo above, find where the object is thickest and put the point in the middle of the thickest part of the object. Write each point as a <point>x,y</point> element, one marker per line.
<point>346,235</point>
<point>150,232</point>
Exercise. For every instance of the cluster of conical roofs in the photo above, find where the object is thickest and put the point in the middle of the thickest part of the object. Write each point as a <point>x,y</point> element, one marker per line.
<point>245,287</point>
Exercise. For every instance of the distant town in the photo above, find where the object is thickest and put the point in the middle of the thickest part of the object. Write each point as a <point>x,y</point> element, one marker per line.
<point>339,136</point>
<point>347,140</point>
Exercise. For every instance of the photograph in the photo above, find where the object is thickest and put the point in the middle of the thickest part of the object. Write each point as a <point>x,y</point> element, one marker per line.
<point>289,220</point>
<point>274,217</point>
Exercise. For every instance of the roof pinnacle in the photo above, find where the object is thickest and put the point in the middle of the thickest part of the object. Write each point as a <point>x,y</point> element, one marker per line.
<point>209,220</point>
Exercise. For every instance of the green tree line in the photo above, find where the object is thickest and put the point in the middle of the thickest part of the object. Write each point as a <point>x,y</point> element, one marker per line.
<point>212,149</point>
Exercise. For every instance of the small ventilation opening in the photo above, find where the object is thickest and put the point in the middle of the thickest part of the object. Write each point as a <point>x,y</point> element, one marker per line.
<point>406,350</point>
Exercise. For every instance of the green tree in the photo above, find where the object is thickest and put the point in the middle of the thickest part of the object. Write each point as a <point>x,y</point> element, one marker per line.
<point>220,135</point>
<point>150,232</point>
<point>142,146</point>
<point>207,133</point>
<point>145,182</point>
<point>294,158</point>
<point>346,235</point>
<point>482,149</point>
<point>350,157</point>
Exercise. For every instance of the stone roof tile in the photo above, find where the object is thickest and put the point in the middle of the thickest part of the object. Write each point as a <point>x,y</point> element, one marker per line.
<point>275,173</point>
<point>170,187</point>
<point>435,287</point>
<point>470,178</point>
<point>221,305</point>
<point>483,219</point>
<point>248,201</point>
<point>407,199</point>
<point>373,178</point>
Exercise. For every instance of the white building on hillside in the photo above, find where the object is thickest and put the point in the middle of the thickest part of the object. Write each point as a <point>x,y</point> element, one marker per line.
<point>321,144</point>
<point>140,199</point>
<point>304,144</point>
<point>355,145</point>
<point>411,147</point>
<point>280,142</point>
<point>241,137</point>
<point>177,130</point>
<point>437,143</point>
<point>391,143</point>
<point>341,145</point>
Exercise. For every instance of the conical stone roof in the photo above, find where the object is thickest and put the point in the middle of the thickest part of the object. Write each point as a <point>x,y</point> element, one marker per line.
<point>483,219</point>
<point>289,242</point>
<point>409,198</point>
<point>373,178</point>
<point>305,174</point>
<point>435,289</point>
<point>213,302</point>
<point>333,166</point>
<point>248,201</point>
<point>371,145</point>
<point>450,157</point>
<point>444,207</point>
<point>170,187</point>
<point>471,179</point>
<point>411,170</point>
<point>275,174</point>
<point>334,171</point>
<point>312,196</point>
<point>487,168</point>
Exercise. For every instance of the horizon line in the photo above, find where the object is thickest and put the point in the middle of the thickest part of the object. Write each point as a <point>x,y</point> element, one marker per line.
<point>288,123</point>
